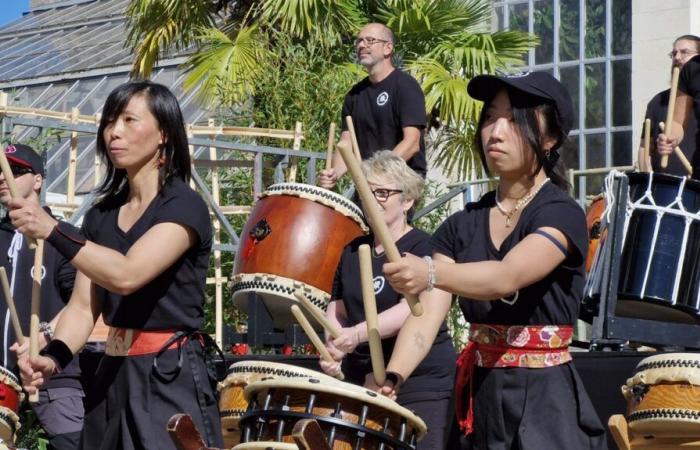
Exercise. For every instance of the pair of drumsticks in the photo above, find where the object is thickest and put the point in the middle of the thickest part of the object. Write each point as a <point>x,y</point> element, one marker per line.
<point>374,338</point>
<point>666,127</point>
<point>38,246</point>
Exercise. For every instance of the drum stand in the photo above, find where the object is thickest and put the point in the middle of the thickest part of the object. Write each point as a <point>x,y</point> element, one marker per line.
<point>307,434</point>
<point>261,331</point>
<point>612,331</point>
<point>626,440</point>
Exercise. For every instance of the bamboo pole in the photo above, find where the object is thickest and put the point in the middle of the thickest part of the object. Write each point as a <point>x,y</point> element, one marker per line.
<point>218,295</point>
<point>330,146</point>
<point>296,145</point>
<point>72,159</point>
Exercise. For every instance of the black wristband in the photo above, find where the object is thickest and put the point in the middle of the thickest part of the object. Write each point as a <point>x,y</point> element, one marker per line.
<point>59,352</point>
<point>67,239</point>
<point>395,378</point>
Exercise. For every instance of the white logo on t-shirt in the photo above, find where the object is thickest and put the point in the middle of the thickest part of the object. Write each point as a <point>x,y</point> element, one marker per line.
<point>43,272</point>
<point>378,284</point>
<point>382,98</point>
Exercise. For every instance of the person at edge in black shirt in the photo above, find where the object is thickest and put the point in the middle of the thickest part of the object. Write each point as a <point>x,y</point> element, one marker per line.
<point>687,105</point>
<point>515,259</point>
<point>60,408</point>
<point>396,187</point>
<point>684,48</point>
<point>142,257</point>
<point>387,107</point>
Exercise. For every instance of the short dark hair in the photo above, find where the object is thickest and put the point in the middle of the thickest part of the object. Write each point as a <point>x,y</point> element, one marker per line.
<point>689,37</point>
<point>166,110</point>
<point>525,109</point>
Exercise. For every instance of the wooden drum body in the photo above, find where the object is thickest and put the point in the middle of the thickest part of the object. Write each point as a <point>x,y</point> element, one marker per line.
<point>663,396</point>
<point>350,417</point>
<point>293,240</point>
<point>232,401</point>
<point>11,397</point>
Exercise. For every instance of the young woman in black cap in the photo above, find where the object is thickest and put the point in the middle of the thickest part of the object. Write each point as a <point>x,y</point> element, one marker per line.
<point>515,259</point>
<point>142,257</point>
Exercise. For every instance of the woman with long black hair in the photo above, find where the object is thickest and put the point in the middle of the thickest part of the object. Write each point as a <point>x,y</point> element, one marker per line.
<point>515,259</point>
<point>142,257</point>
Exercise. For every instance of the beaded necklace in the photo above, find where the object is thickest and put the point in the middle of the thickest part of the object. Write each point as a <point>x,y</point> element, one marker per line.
<point>522,202</point>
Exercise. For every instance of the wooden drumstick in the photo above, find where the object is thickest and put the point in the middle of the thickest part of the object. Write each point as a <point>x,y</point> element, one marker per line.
<point>12,186</point>
<point>375,340</point>
<point>318,314</point>
<point>679,153</point>
<point>331,145</point>
<point>374,217</point>
<point>315,339</point>
<point>353,138</point>
<point>36,302</point>
<point>11,306</point>
<point>671,107</point>
<point>647,142</point>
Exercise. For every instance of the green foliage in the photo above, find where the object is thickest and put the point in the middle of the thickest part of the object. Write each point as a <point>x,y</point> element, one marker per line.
<point>30,435</point>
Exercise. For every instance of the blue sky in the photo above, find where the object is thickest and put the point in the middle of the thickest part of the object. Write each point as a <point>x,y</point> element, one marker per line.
<point>12,9</point>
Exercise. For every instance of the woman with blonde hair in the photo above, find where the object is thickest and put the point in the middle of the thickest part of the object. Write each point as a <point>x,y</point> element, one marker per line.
<point>397,188</point>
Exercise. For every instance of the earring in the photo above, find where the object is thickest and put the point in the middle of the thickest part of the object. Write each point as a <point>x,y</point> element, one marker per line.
<point>547,153</point>
<point>161,161</point>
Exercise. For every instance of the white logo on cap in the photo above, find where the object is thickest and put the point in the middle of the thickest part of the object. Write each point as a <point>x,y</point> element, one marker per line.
<point>10,149</point>
<point>519,74</point>
<point>382,98</point>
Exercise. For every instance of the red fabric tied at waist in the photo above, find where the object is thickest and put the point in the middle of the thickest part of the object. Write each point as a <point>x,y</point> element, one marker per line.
<point>493,346</point>
<point>131,342</point>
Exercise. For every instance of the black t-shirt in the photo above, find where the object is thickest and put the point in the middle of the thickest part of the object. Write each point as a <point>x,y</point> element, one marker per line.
<point>381,111</point>
<point>689,83</point>
<point>555,299</point>
<point>657,110</point>
<point>174,299</point>
<point>436,372</point>
<point>56,288</point>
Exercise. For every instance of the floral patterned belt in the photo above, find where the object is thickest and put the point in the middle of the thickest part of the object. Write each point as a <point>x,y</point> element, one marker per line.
<point>493,346</point>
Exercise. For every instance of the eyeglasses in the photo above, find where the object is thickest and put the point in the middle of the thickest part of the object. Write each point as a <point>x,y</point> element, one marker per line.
<point>368,41</point>
<point>18,171</point>
<point>685,52</point>
<point>383,195</point>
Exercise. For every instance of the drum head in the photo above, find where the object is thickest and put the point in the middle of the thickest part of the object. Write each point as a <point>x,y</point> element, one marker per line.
<point>650,309</point>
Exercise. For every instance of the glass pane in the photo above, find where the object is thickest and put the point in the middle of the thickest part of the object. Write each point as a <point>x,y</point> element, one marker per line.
<point>595,157</point>
<point>500,18</point>
<point>622,92</point>
<point>622,151</point>
<point>595,95</point>
<point>621,27</point>
<point>518,17</point>
<point>570,153</point>
<point>595,28</point>
<point>569,78</point>
<point>568,30</point>
<point>543,27</point>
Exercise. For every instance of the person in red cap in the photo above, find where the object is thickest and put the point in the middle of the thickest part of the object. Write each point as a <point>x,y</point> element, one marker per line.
<point>515,260</point>
<point>60,409</point>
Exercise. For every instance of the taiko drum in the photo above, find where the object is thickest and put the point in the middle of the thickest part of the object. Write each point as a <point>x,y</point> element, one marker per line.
<point>293,240</point>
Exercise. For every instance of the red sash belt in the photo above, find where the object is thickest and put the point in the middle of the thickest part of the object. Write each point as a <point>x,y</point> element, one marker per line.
<point>493,346</point>
<point>131,342</point>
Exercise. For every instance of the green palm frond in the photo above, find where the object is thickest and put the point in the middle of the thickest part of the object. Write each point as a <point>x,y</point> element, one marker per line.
<point>155,25</point>
<point>454,150</point>
<point>227,64</point>
<point>324,20</point>
<point>472,54</point>
<point>444,91</point>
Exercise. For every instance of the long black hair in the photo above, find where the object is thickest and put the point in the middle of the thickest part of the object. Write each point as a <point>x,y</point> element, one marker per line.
<point>174,152</point>
<point>525,110</point>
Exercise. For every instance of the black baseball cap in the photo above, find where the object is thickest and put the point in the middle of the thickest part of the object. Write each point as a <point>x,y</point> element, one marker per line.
<point>533,87</point>
<point>25,156</point>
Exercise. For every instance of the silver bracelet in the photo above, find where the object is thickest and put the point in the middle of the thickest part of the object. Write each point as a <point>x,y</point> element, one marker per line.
<point>431,273</point>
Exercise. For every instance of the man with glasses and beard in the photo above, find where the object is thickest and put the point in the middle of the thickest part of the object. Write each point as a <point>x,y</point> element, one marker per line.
<point>60,408</point>
<point>387,107</point>
<point>684,49</point>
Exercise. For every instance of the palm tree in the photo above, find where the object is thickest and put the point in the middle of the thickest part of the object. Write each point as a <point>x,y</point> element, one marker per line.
<point>443,43</point>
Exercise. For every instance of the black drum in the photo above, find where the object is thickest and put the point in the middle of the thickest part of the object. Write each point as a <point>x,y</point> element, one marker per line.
<point>660,262</point>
